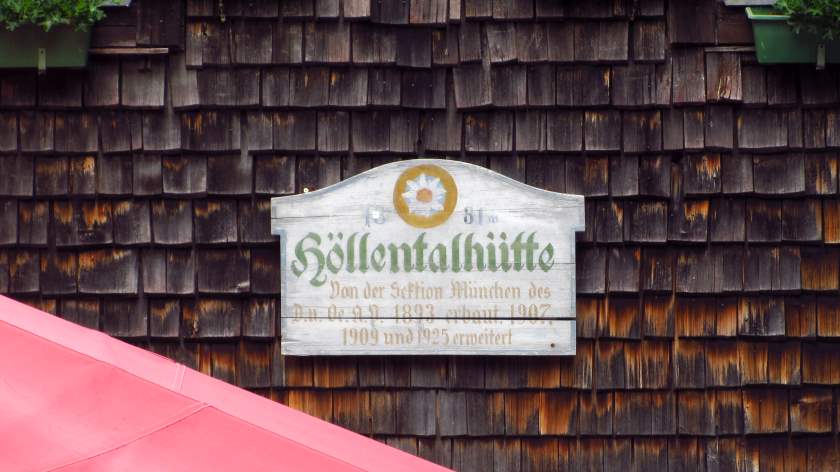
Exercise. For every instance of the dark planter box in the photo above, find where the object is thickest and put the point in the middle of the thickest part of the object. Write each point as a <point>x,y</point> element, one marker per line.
<point>62,46</point>
<point>777,43</point>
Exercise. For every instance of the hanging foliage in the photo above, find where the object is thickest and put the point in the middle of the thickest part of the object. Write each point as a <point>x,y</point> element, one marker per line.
<point>820,17</point>
<point>79,14</point>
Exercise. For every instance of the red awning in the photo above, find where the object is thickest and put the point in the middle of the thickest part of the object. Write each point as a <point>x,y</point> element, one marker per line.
<point>75,399</point>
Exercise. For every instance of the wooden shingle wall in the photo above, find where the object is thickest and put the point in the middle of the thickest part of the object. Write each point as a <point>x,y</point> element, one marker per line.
<point>134,198</point>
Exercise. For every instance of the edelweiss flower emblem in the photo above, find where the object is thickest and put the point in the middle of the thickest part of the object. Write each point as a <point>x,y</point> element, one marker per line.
<point>425,195</point>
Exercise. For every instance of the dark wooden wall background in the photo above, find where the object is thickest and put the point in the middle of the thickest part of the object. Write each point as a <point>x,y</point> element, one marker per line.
<point>134,198</point>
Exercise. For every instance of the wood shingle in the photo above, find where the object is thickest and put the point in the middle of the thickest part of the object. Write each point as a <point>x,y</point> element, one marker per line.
<point>326,42</point>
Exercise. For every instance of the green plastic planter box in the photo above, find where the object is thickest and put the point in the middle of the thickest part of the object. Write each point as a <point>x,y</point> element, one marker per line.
<point>777,43</point>
<point>31,46</point>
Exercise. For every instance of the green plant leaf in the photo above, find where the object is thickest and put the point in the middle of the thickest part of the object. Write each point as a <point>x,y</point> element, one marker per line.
<point>80,14</point>
<point>820,17</point>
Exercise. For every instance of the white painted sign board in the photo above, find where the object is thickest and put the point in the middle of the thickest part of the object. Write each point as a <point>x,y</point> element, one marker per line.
<point>428,257</point>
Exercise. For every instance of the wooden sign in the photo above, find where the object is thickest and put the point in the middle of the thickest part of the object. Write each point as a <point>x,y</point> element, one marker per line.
<point>428,257</point>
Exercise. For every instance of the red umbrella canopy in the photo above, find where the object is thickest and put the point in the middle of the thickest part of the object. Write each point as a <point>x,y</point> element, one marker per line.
<point>74,399</point>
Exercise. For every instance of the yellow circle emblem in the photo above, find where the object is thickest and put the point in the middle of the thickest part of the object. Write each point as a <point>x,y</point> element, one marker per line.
<point>425,196</point>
